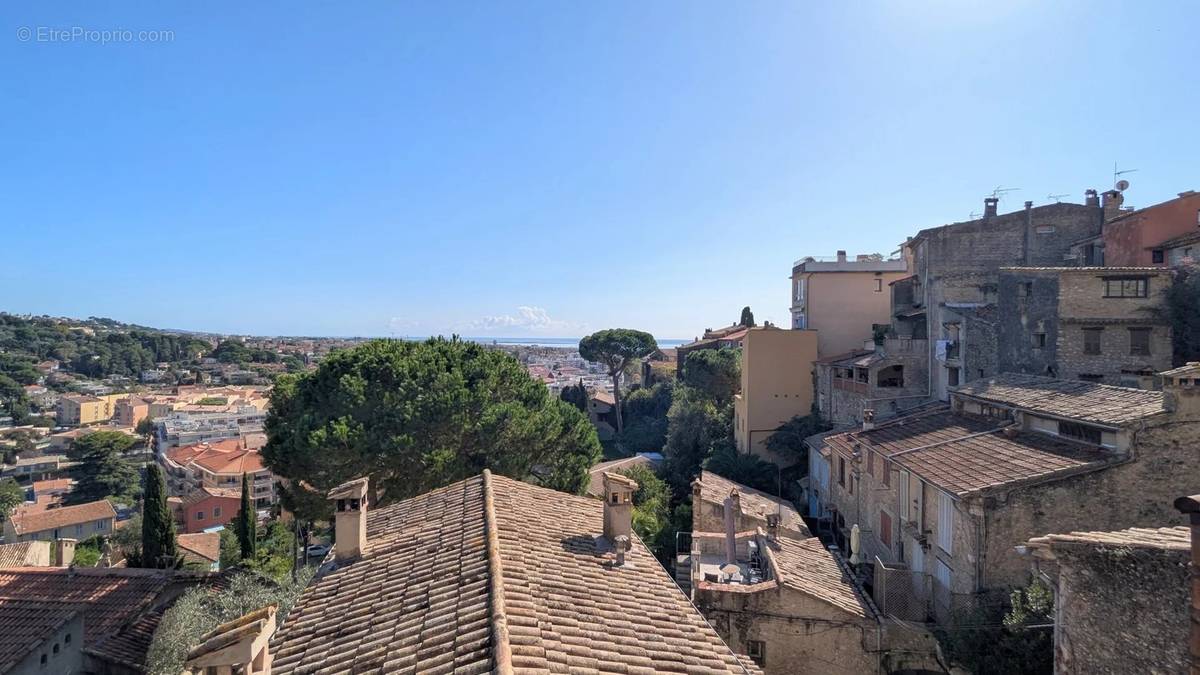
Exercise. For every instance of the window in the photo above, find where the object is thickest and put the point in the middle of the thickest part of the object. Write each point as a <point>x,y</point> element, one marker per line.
<point>79,530</point>
<point>952,376</point>
<point>887,471</point>
<point>1044,229</point>
<point>891,376</point>
<point>871,462</point>
<point>67,639</point>
<point>55,648</point>
<point>1125,287</point>
<point>757,651</point>
<point>945,530</point>
<point>199,515</point>
<point>43,659</point>
<point>879,285</point>
<point>1026,289</point>
<point>1079,431</point>
<point>1156,256</point>
<point>1038,340</point>
<point>1139,341</point>
<point>841,471</point>
<point>1091,340</point>
<point>101,524</point>
<point>862,375</point>
<point>216,512</point>
<point>885,529</point>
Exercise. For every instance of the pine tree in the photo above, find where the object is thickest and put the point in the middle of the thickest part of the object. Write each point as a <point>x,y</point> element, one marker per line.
<point>747,319</point>
<point>245,526</point>
<point>158,527</point>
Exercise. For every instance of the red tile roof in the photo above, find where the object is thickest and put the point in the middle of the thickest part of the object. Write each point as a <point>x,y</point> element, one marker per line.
<point>25,522</point>
<point>205,545</point>
<point>40,486</point>
<point>807,566</point>
<point>492,571</point>
<point>24,625</point>
<point>714,488</point>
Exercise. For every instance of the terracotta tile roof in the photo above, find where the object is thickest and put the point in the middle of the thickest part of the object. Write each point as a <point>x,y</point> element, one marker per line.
<point>51,485</point>
<point>129,645</point>
<point>1166,538</point>
<point>21,553</point>
<point>204,492</point>
<point>1075,399</point>
<point>963,453</point>
<point>24,625</point>
<point>807,566</point>
<point>25,522</point>
<point>204,547</point>
<point>755,503</point>
<point>604,397</point>
<point>185,454</point>
<point>242,461</point>
<point>596,473</point>
<point>109,597</point>
<point>491,572</point>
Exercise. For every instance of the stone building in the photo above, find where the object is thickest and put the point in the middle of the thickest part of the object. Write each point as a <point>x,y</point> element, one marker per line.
<point>943,495</point>
<point>955,269</point>
<point>751,508</point>
<point>1105,582</point>
<point>1099,324</point>
<point>886,380</point>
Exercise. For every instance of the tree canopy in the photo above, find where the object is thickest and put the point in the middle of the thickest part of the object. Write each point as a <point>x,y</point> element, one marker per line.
<point>617,349</point>
<point>694,424</point>
<point>158,523</point>
<point>1183,312</point>
<point>747,319</point>
<point>576,395</point>
<point>101,469</point>
<point>651,503</point>
<point>414,416</point>
<point>788,439</point>
<point>646,418</point>
<point>715,372</point>
<point>11,496</point>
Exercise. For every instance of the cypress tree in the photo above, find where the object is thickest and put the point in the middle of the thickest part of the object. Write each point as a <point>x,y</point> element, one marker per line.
<point>158,527</point>
<point>246,526</point>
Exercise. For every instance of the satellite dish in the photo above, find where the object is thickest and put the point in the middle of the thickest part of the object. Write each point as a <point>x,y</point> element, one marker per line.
<point>1122,185</point>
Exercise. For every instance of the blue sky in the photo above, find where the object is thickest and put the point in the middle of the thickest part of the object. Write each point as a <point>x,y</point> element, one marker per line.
<point>546,168</point>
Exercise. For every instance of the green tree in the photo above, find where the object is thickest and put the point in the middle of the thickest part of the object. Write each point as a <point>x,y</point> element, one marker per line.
<point>416,416</point>
<point>101,470</point>
<point>651,504</point>
<point>646,418</point>
<point>158,525</point>
<point>694,424</point>
<point>788,439</point>
<point>1182,300</point>
<point>992,641</point>
<point>576,395</point>
<point>716,372</point>
<point>617,349</point>
<point>145,427</point>
<point>747,319</point>
<point>743,468</point>
<point>231,549</point>
<point>246,523</point>
<point>12,495</point>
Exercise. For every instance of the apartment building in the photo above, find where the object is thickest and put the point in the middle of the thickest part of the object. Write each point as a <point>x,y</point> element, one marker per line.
<point>68,522</point>
<point>129,411</point>
<point>943,495</point>
<point>841,298</point>
<point>77,409</point>
<point>955,272</point>
<point>1099,324</point>
<point>219,465</point>
<point>777,385</point>
<point>182,428</point>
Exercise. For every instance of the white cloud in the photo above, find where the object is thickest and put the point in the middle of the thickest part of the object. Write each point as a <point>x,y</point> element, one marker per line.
<point>527,318</point>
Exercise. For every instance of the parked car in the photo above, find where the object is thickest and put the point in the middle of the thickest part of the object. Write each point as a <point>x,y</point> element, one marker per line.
<point>318,550</point>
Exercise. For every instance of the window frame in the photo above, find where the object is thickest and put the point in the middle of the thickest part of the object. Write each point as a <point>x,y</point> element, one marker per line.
<point>756,650</point>
<point>1098,332</point>
<point>1141,287</point>
<point>1139,349</point>
<point>886,538</point>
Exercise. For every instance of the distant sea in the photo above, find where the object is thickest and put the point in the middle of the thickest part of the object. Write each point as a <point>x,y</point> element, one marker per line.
<point>548,341</point>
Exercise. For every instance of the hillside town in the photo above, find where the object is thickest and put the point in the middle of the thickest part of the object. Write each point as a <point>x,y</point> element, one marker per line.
<point>980,448</point>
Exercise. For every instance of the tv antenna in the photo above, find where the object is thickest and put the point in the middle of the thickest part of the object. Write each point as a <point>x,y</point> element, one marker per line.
<point>1000,191</point>
<point>1058,198</point>
<point>1117,175</point>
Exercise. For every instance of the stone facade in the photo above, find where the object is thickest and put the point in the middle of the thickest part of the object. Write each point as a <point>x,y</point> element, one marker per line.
<point>1062,322</point>
<point>888,381</point>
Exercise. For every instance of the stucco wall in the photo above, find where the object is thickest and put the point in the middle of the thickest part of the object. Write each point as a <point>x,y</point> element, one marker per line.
<point>777,385</point>
<point>842,306</point>
<point>1129,241</point>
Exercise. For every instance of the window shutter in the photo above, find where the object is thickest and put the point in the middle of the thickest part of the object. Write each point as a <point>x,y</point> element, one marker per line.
<point>904,506</point>
<point>945,533</point>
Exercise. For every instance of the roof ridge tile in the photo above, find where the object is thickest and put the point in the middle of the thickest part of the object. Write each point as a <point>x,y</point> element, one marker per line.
<point>501,647</point>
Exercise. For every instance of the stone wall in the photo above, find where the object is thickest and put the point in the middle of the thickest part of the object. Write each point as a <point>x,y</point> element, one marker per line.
<point>1139,493</point>
<point>1122,610</point>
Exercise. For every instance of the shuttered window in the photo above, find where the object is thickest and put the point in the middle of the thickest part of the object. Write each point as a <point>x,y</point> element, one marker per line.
<point>904,505</point>
<point>945,530</point>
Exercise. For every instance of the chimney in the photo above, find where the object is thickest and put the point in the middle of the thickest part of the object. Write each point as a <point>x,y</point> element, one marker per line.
<point>64,552</point>
<point>1112,204</point>
<point>868,419</point>
<point>1191,506</point>
<point>1181,389</point>
<point>1091,198</point>
<point>618,506</point>
<point>989,206</point>
<point>349,519</point>
<point>841,256</point>
<point>732,503</point>
<point>238,646</point>
<point>772,526</point>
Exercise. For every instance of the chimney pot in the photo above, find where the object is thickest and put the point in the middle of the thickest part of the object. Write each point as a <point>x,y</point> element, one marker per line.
<point>868,417</point>
<point>618,506</point>
<point>64,552</point>
<point>349,518</point>
<point>1091,198</point>
<point>989,206</point>
<point>732,505</point>
<point>841,256</point>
